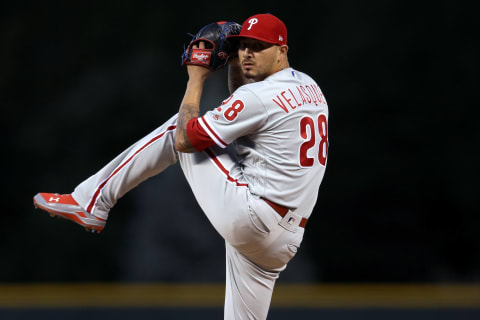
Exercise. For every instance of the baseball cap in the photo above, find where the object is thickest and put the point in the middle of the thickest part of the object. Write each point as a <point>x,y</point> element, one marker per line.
<point>265,27</point>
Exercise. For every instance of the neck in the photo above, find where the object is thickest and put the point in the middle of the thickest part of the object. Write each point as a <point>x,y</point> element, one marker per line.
<point>281,66</point>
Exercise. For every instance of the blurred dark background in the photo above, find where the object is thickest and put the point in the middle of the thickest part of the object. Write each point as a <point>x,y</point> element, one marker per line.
<point>81,81</point>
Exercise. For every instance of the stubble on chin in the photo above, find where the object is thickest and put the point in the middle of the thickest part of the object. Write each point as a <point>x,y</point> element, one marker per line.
<point>249,76</point>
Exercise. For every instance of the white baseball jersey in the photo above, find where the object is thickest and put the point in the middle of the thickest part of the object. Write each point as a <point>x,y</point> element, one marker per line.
<point>279,130</point>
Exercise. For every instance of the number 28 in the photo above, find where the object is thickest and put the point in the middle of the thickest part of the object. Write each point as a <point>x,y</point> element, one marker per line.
<point>307,123</point>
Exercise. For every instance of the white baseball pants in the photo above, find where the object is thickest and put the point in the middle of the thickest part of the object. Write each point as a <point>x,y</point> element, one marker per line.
<point>259,243</point>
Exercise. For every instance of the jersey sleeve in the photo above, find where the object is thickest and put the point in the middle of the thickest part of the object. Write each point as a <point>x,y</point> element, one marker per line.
<point>239,115</point>
<point>198,138</point>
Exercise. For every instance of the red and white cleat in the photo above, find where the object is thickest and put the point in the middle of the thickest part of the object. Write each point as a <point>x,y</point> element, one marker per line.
<point>64,206</point>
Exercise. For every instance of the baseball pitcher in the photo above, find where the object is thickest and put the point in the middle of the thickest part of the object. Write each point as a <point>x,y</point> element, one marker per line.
<point>260,198</point>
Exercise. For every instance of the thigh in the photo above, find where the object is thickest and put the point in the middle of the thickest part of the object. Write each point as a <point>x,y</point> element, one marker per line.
<point>279,245</point>
<point>241,218</point>
<point>221,192</point>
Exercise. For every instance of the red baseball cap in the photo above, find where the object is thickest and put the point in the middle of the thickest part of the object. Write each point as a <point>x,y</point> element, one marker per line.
<point>265,27</point>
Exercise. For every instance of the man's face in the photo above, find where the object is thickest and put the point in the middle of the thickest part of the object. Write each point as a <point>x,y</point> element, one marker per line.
<point>258,59</point>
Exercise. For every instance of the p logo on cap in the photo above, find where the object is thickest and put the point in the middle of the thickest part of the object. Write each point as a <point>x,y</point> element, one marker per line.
<point>252,22</point>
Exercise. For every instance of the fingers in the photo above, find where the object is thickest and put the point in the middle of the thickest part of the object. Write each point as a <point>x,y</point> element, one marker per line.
<point>201,45</point>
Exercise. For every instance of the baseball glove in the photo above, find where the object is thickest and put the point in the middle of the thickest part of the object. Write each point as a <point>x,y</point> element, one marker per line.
<point>217,48</point>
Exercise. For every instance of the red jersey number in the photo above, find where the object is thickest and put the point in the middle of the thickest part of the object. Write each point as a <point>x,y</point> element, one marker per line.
<point>306,123</point>
<point>307,132</point>
<point>232,112</point>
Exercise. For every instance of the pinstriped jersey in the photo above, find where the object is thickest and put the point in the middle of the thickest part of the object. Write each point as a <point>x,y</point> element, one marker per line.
<point>279,132</point>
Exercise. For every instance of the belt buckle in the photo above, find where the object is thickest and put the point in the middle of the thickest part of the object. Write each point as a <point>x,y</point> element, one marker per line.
<point>290,221</point>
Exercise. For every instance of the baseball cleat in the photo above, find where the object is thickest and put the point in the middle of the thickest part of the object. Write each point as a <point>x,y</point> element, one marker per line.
<point>64,206</point>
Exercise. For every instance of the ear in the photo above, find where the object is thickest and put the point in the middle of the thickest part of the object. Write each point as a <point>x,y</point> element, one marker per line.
<point>282,52</point>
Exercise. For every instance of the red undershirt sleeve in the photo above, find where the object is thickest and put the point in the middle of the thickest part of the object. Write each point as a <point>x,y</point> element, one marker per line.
<point>198,138</point>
